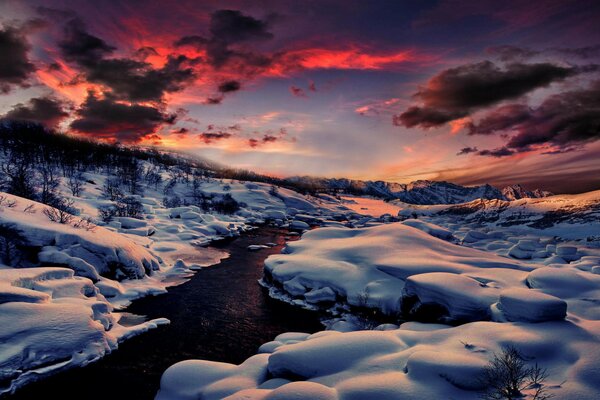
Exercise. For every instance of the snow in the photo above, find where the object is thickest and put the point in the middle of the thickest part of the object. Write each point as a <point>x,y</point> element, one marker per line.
<point>403,363</point>
<point>496,284</point>
<point>486,274</point>
<point>371,266</point>
<point>80,278</point>
<point>53,320</point>
<point>519,304</point>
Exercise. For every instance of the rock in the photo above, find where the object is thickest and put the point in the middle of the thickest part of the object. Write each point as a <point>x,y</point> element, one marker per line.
<point>299,225</point>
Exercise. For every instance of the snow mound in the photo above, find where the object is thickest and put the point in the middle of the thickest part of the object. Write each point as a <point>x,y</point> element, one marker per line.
<point>531,306</point>
<point>432,229</point>
<point>463,298</point>
<point>421,364</point>
<point>90,253</point>
<point>52,320</point>
<point>369,267</point>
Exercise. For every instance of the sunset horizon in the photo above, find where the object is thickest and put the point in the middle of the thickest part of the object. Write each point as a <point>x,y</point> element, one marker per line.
<point>395,91</point>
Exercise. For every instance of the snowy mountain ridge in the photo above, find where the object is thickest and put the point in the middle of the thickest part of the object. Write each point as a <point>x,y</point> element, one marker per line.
<point>421,191</point>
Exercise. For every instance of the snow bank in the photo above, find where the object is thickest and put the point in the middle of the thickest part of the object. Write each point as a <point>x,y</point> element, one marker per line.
<point>90,253</point>
<point>370,266</point>
<point>409,362</point>
<point>52,320</point>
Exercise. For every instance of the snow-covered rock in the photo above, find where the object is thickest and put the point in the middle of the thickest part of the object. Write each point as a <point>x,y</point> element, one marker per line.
<point>518,304</point>
<point>369,266</point>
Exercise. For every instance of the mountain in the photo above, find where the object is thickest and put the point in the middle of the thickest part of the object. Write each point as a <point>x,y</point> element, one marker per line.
<point>419,192</point>
<point>556,215</point>
<point>516,192</point>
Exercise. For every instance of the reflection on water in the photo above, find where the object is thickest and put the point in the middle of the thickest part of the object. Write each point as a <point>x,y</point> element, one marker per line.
<point>221,314</point>
<point>372,207</point>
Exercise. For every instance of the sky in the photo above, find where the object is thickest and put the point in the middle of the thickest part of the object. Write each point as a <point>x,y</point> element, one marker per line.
<point>470,92</point>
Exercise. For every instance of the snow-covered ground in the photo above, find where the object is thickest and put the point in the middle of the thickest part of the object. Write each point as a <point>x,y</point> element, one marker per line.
<point>60,297</point>
<point>528,276</point>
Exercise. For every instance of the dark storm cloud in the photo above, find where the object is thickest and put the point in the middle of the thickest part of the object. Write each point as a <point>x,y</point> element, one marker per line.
<point>80,46</point>
<point>562,122</point>
<point>137,81</point>
<point>45,110</point>
<point>467,150</point>
<point>130,79</point>
<point>457,92</point>
<point>211,137</point>
<point>15,66</point>
<point>105,118</point>
<point>229,86</point>
<point>232,26</point>
<point>229,28</point>
<point>500,119</point>
<point>425,117</point>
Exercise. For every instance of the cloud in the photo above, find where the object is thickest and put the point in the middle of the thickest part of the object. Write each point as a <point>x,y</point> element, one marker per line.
<point>15,66</point>
<point>45,110</point>
<point>144,52</point>
<point>467,150</point>
<point>130,79</point>
<point>191,40</point>
<point>106,118</point>
<point>500,119</point>
<point>511,53</point>
<point>457,92</point>
<point>296,91</point>
<point>581,52</point>
<point>499,152</point>
<point>561,122</point>
<point>229,28</point>
<point>81,47</point>
<point>229,86</point>
<point>211,137</point>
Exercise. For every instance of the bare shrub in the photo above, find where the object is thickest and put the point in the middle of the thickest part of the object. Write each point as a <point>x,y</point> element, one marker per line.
<point>507,376</point>
<point>6,202</point>
<point>85,223</point>
<point>58,215</point>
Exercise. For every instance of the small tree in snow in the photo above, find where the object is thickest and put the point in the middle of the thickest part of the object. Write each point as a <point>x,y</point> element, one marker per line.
<point>10,240</point>
<point>75,183</point>
<point>507,377</point>
<point>112,189</point>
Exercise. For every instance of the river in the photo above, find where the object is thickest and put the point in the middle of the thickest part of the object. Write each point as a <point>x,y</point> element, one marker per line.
<point>220,314</point>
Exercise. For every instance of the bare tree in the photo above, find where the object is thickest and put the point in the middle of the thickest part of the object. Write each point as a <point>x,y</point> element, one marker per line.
<point>10,240</point>
<point>112,190</point>
<point>75,183</point>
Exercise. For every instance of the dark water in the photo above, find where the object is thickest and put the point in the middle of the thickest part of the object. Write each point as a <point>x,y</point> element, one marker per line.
<point>221,314</point>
